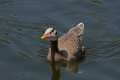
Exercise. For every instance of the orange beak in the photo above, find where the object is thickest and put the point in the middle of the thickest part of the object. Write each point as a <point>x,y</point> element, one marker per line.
<point>45,36</point>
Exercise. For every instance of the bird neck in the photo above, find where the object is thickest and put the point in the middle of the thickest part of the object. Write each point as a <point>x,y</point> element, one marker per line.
<point>54,46</point>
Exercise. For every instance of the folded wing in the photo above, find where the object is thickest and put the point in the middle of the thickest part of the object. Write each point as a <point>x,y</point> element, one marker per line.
<point>72,40</point>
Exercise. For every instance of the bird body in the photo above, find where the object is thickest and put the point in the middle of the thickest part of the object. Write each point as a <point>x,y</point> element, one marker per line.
<point>69,46</point>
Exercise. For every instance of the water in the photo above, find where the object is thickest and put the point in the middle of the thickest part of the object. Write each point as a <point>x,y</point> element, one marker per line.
<point>22,53</point>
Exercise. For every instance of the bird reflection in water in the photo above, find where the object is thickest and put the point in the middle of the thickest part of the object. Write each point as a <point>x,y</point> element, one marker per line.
<point>56,67</point>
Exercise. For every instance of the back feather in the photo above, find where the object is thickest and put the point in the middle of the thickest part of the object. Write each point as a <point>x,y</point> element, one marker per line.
<point>72,40</point>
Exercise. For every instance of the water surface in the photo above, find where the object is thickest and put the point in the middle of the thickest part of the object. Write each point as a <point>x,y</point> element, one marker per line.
<point>22,53</point>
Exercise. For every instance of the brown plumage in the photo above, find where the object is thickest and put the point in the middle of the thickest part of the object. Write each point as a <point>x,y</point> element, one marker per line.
<point>68,46</point>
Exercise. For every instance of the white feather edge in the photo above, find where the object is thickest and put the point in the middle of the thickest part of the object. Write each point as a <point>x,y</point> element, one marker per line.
<point>81,26</point>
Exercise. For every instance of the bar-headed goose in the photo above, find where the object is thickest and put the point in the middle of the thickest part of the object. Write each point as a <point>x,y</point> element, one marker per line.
<point>66,47</point>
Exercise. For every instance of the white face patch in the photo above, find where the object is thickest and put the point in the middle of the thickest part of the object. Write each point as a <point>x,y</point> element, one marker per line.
<point>48,30</point>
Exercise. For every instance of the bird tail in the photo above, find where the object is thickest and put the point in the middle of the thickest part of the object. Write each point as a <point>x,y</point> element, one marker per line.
<point>81,26</point>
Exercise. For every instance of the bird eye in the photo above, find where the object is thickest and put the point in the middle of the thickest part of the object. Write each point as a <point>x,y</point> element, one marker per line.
<point>52,30</point>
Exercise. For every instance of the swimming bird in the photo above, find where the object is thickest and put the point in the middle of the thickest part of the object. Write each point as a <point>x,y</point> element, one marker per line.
<point>69,46</point>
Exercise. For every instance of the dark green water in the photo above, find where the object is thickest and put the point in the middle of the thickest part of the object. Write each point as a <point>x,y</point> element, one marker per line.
<point>22,53</point>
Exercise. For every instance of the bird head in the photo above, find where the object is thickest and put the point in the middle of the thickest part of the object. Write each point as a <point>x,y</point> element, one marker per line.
<point>49,34</point>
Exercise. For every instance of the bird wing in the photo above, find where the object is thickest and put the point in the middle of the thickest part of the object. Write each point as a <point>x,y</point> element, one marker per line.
<point>72,40</point>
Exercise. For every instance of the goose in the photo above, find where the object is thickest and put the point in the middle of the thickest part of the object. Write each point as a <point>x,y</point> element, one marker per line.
<point>69,46</point>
